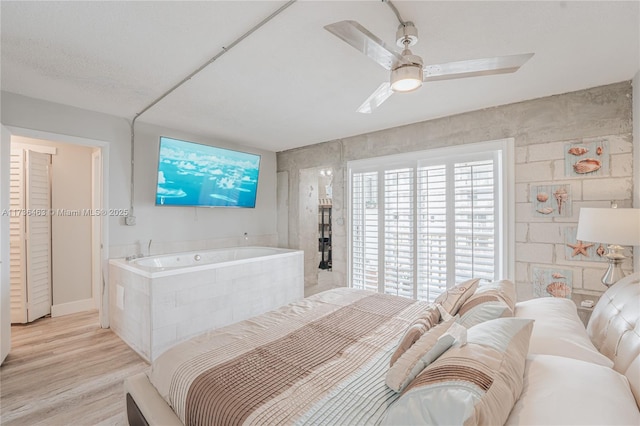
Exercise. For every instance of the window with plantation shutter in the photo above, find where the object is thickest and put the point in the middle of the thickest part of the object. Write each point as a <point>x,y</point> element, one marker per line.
<point>422,222</point>
<point>364,231</point>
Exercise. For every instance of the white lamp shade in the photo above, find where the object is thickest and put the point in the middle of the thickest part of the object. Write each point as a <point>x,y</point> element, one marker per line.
<point>611,226</point>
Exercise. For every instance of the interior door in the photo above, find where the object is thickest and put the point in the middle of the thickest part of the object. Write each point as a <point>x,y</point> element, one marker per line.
<point>17,233</point>
<point>38,235</point>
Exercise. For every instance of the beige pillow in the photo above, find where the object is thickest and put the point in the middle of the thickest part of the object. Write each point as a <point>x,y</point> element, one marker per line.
<point>428,348</point>
<point>475,384</point>
<point>415,330</point>
<point>452,299</point>
<point>490,301</point>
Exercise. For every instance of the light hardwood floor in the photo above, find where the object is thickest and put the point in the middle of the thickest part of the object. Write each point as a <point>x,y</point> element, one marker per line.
<point>66,371</point>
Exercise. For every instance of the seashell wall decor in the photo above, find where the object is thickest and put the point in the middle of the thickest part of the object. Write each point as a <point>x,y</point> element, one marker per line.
<point>562,196</point>
<point>587,159</point>
<point>552,282</point>
<point>578,150</point>
<point>542,197</point>
<point>545,205</point>
<point>546,210</point>
<point>587,165</point>
<point>559,289</point>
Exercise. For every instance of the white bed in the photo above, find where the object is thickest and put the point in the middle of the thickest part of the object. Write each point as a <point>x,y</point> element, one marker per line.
<point>326,360</point>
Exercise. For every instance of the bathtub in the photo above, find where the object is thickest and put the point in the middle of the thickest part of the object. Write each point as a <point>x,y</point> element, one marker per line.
<point>180,263</point>
<point>158,301</point>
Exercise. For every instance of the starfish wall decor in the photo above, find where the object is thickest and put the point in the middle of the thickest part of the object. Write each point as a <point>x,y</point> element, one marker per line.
<point>580,248</point>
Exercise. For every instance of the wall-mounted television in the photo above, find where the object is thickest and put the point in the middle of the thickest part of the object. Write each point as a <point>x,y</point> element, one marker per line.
<point>193,174</point>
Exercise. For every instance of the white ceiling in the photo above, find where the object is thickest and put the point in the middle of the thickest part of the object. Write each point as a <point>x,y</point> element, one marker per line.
<point>292,83</point>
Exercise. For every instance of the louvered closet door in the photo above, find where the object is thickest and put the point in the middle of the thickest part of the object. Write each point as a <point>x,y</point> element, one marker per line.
<point>17,255</point>
<point>38,226</point>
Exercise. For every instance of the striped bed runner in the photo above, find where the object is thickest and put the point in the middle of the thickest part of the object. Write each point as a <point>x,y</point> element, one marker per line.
<point>234,391</point>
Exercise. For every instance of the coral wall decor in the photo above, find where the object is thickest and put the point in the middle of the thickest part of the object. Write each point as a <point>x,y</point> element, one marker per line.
<point>587,159</point>
<point>552,282</point>
<point>551,200</point>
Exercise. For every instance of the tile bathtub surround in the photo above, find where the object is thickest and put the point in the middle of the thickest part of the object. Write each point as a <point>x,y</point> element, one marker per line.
<point>542,129</point>
<point>160,312</point>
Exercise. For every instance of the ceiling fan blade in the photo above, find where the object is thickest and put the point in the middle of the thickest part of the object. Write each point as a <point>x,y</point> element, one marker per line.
<point>381,94</point>
<point>475,67</point>
<point>362,39</point>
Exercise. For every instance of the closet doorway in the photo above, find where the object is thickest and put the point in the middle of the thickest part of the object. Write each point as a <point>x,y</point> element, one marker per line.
<point>56,228</point>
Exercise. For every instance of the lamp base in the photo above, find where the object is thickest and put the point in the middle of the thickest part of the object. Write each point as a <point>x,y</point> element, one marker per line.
<point>614,272</point>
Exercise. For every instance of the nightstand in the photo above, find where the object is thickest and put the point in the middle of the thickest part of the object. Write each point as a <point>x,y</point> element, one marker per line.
<point>584,313</point>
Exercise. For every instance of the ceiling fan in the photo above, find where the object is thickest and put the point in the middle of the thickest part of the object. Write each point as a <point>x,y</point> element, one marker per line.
<point>407,70</point>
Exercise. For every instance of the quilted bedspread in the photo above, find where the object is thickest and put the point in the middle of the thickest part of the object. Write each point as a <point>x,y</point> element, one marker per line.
<point>322,360</point>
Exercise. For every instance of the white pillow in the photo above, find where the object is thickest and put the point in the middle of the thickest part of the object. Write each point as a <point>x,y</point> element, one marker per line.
<point>563,391</point>
<point>558,330</point>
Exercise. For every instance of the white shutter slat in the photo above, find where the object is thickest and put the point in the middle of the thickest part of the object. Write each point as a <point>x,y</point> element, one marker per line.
<point>474,220</point>
<point>364,225</point>
<point>398,232</point>
<point>432,232</point>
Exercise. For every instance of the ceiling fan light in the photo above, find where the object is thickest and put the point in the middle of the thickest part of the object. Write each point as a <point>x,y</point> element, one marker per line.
<point>406,78</point>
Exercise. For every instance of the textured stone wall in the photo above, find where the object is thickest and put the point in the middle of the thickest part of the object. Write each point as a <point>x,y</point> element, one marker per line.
<point>541,240</point>
<point>541,128</point>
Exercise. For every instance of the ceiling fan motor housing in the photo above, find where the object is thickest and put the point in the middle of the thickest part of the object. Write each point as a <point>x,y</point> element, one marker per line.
<point>407,35</point>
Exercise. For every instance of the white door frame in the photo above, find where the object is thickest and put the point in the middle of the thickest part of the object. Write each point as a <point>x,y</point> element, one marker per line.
<point>96,222</point>
<point>103,294</point>
<point>5,289</point>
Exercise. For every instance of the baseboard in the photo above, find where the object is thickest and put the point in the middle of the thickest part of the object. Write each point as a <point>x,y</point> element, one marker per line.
<point>72,307</point>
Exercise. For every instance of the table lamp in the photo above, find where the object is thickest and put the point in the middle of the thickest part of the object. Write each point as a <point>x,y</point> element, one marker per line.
<point>613,226</point>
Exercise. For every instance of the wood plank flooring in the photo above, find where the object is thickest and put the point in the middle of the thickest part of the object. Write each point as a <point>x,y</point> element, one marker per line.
<point>66,371</point>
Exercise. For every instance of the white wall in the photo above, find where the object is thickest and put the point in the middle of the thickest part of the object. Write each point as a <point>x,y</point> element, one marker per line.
<point>170,228</point>
<point>71,235</point>
<point>166,225</point>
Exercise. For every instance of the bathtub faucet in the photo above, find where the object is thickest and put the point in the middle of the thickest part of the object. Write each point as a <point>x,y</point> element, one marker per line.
<point>149,248</point>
